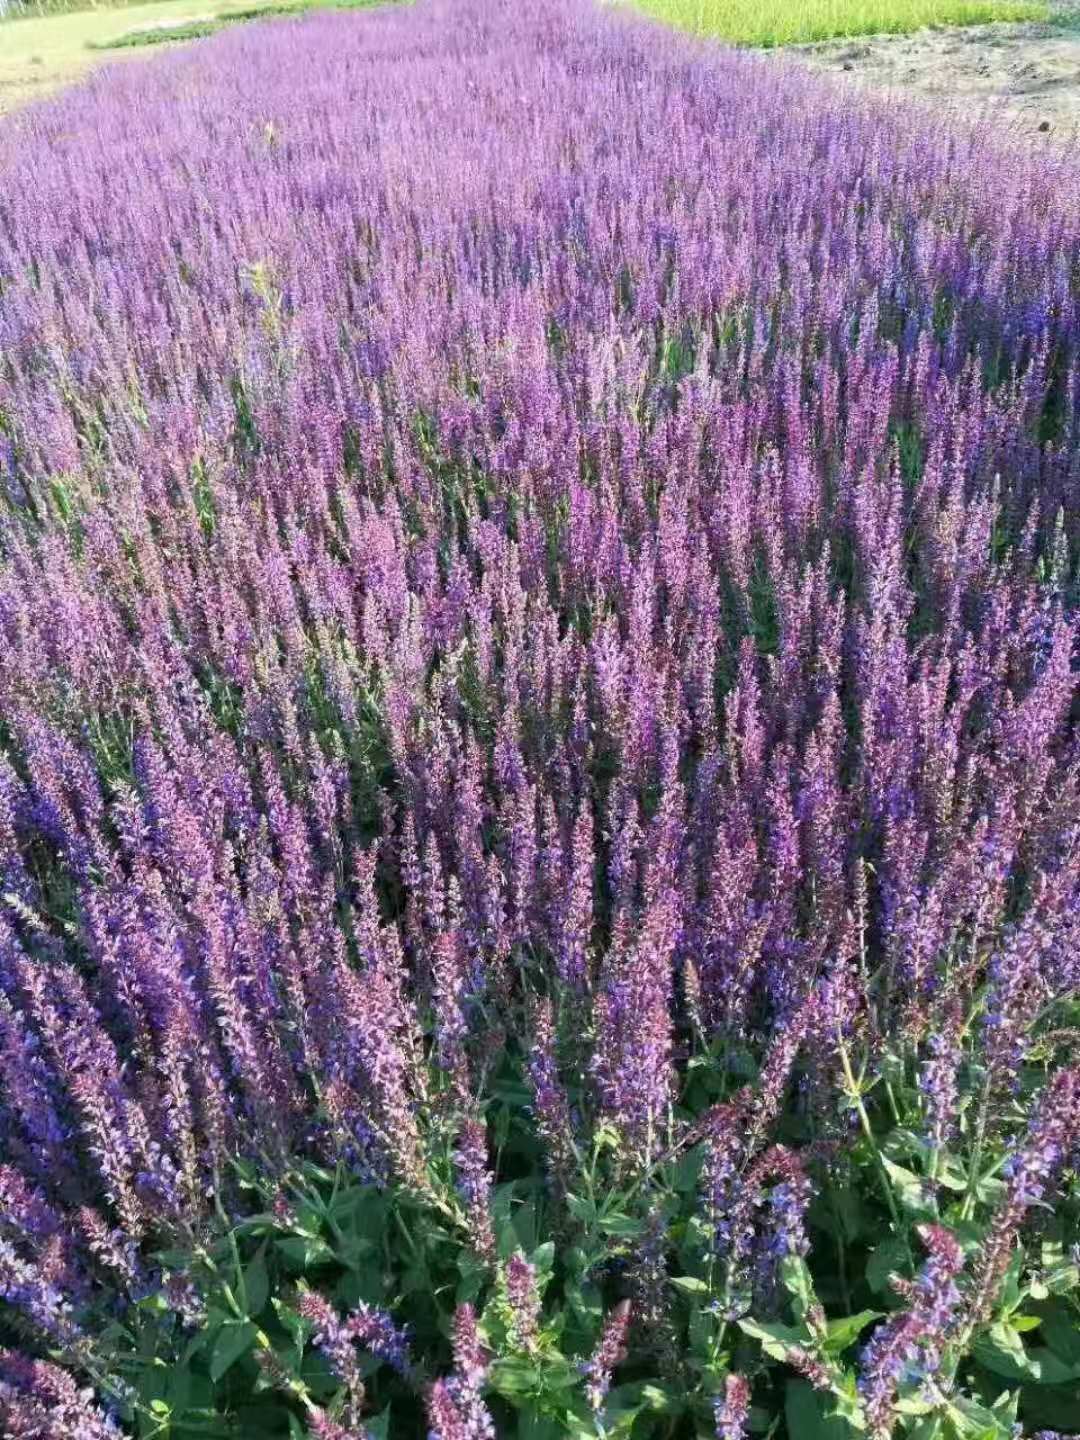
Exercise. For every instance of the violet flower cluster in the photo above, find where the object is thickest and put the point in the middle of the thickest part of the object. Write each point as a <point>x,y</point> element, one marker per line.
<point>455,1408</point>
<point>908,1347</point>
<point>610,1352</point>
<point>525,536</point>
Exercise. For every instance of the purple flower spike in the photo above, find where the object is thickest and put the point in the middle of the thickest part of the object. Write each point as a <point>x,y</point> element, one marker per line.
<point>523,1298</point>
<point>907,1348</point>
<point>732,1409</point>
<point>608,1355</point>
<point>474,1186</point>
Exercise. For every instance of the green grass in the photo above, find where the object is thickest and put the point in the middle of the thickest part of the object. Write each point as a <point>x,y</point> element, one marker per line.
<point>39,9</point>
<point>160,35</point>
<point>794,22</point>
<point>199,29</point>
<point>41,52</point>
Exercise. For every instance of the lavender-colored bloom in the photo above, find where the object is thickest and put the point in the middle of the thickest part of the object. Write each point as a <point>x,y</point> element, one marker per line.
<point>324,1427</point>
<point>365,1326</point>
<point>767,1223</point>
<point>908,1347</point>
<point>1030,1171</point>
<point>732,1409</point>
<point>30,1286</point>
<point>632,1063</point>
<point>649,1283</point>
<point>182,1296</point>
<point>939,1081</point>
<point>455,1408</point>
<point>453,1416</point>
<point>608,1355</point>
<point>551,1105</point>
<point>39,1399</point>
<point>523,1298</point>
<point>376,1331</point>
<point>471,1359</point>
<point>724,1141</point>
<point>333,1336</point>
<point>474,1185</point>
<point>111,1248</point>
<point>785,1219</point>
<point>474,543</point>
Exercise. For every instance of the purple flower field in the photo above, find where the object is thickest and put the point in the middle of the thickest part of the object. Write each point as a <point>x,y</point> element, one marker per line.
<point>539,764</point>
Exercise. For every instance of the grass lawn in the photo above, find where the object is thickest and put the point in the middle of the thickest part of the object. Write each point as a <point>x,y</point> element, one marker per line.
<point>40,53</point>
<point>792,22</point>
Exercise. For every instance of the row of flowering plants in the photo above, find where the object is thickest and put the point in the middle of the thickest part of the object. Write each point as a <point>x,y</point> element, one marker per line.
<point>539,765</point>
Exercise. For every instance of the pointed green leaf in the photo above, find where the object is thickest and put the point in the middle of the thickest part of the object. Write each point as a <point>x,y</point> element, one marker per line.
<point>889,1258</point>
<point>795,1274</point>
<point>843,1332</point>
<point>808,1415</point>
<point>690,1285</point>
<point>910,1189</point>
<point>257,1283</point>
<point>233,1341</point>
<point>775,1340</point>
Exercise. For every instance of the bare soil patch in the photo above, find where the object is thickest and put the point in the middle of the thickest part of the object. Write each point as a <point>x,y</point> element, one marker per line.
<point>1025,75</point>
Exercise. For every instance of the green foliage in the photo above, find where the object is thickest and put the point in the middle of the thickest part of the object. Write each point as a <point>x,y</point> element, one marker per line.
<point>780,22</point>
<point>251,1366</point>
<point>200,29</point>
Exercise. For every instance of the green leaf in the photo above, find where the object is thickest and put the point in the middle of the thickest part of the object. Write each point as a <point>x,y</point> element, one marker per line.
<point>473,1274</point>
<point>795,1273</point>
<point>688,1171</point>
<point>910,1189</point>
<point>807,1416</point>
<point>416,1280</point>
<point>843,1332</point>
<point>989,1189</point>
<point>1062,1334</point>
<point>950,1173</point>
<point>850,1211</point>
<point>257,1283</point>
<point>1051,1369</point>
<point>1010,1287</point>
<point>645,1395</point>
<point>973,1421</point>
<point>304,1252</point>
<point>889,1258</point>
<point>533,1426</point>
<point>690,1284</point>
<point>1001,1351</point>
<point>701,1332</point>
<point>775,1340</point>
<point>928,1428</point>
<point>543,1257</point>
<point>378,1426</point>
<point>1049,1408</point>
<point>233,1341</point>
<point>521,1233</point>
<point>174,1259</point>
<point>914,1404</point>
<point>581,1209</point>
<point>1006,1407</point>
<point>293,1322</point>
<point>586,1301</point>
<point>625,1225</point>
<point>514,1378</point>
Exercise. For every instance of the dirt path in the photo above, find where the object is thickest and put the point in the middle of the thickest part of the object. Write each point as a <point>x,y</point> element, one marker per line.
<point>1028,74</point>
